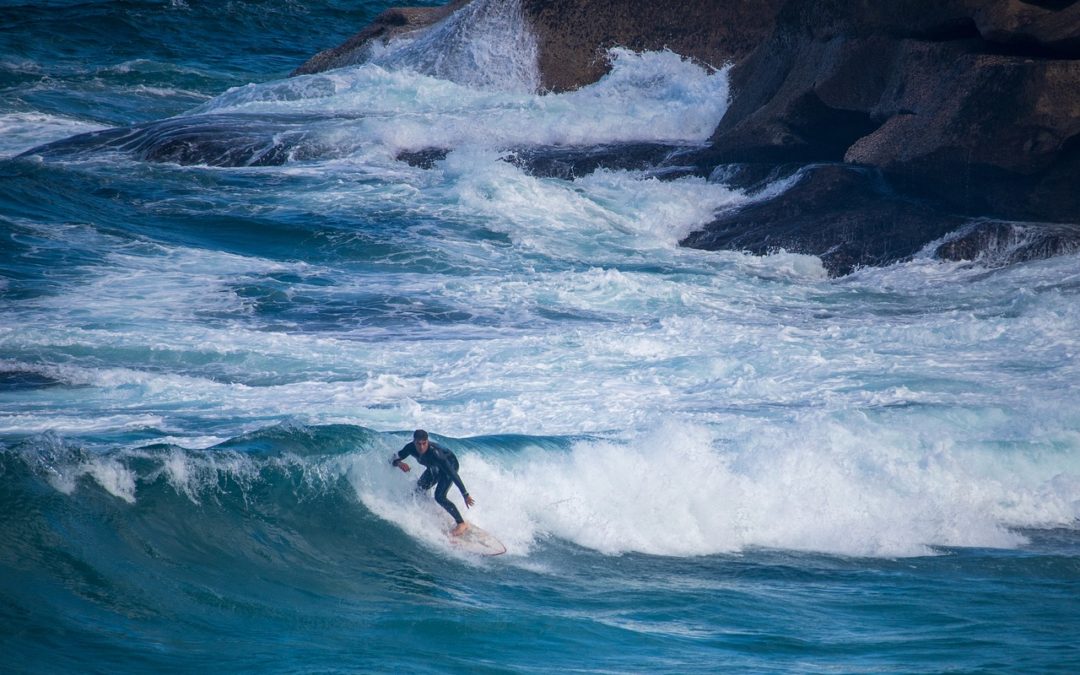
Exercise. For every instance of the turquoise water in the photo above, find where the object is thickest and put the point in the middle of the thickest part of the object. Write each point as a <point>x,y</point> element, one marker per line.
<point>224,302</point>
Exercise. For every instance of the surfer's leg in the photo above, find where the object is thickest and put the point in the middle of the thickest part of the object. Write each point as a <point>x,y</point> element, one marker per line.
<point>427,479</point>
<point>440,496</point>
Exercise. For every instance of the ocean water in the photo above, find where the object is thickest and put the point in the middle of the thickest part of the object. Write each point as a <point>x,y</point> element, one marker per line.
<point>224,302</point>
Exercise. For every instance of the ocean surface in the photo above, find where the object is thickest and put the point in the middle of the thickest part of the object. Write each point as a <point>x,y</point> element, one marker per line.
<point>224,302</point>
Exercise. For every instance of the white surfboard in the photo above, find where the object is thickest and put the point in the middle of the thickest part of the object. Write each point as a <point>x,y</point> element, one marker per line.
<point>478,541</point>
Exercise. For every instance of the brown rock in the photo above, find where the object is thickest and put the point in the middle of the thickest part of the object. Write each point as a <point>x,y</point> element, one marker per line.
<point>1053,25</point>
<point>573,36</point>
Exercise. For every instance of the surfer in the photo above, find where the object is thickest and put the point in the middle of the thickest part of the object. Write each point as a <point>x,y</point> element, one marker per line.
<point>442,469</point>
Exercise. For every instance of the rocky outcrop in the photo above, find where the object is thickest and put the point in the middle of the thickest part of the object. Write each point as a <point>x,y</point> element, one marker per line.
<point>968,109</point>
<point>974,103</point>
<point>998,134</point>
<point>943,110</point>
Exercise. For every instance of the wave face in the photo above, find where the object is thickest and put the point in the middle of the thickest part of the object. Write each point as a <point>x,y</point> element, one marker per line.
<point>227,297</point>
<point>595,493</point>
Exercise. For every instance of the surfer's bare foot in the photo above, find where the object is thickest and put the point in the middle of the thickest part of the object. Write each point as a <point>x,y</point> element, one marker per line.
<point>461,529</point>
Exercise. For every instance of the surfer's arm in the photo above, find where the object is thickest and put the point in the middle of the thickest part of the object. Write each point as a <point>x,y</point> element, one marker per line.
<point>396,459</point>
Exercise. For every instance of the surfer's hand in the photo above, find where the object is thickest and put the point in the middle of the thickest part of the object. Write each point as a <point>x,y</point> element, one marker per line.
<point>403,466</point>
<point>469,501</point>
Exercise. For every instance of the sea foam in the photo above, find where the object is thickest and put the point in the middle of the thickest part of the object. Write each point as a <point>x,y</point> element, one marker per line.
<point>655,97</point>
<point>484,45</point>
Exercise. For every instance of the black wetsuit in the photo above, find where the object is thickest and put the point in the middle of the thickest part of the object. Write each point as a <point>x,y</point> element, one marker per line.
<point>442,467</point>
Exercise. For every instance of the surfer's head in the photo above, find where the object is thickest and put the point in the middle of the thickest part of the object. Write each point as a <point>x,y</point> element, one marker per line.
<point>420,439</point>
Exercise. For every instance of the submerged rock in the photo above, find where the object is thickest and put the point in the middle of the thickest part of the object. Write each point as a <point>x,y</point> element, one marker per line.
<point>210,140</point>
<point>423,159</point>
<point>570,162</point>
<point>998,243</point>
<point>567,163</point>
<point>22,380</point>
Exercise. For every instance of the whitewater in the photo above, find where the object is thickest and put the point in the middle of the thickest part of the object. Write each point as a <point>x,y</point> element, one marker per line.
<point>227,296</point>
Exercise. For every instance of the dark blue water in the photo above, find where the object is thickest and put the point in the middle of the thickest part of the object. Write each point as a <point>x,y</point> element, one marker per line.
<point>224,302</point>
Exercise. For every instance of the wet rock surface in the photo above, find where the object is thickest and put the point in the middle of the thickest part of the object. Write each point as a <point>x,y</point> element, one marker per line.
<point>848,216</point>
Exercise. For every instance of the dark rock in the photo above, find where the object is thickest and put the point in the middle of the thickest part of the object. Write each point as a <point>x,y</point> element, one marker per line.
<point>1049,25</point>
<point>568,163</point>
<point>804,100</point>
<point>997,243</point>
<point>423,159</point>
<point>848,216</point>
<point>751,177</point>
<point>21,380</point>
<point>970,103</point>
<point>992,134</point>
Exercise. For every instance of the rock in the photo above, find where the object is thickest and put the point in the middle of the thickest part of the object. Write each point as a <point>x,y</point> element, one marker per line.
<point>991,135</point>
<point>423,159</point>
<point>997,243</point>
<point>752,177</point>
<point>966,102</point>
<point>856,74</point>
<point>1050,25</point>
<point>806,104</point>
<point>21,380</point>
<point>390,23</point>
<point>944,110</point>
<point>573,36</point>
<point>848,216</point>
<point>568,163</point>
